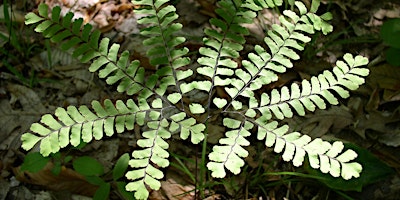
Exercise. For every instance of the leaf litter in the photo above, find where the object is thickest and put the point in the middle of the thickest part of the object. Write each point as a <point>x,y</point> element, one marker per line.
<point>372,118</point>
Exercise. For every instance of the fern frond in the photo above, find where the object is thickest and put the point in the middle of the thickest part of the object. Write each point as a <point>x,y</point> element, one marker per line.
<point>164,43</point>
<point>62,30</point>
<point>71,125</point>
<point>348,75</point>
<point>283,41</point>
<point>87,47</point>
<point>129,75</point>
<point>258,5</point>
<point>222,46</point>
<point>328,158</point>
<point>154,153</point>
<point>231,154</point>
<point>164,104</point>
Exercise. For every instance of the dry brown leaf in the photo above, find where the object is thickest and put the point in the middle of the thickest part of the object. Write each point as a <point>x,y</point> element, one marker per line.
<point>374,120</point>
<point>173,191</point>
<point>13,121</point>
<point>386,77</point>
<point>67,180</point>
<point>391,138</point>
<point>189,12</point>
<point>323,121</point>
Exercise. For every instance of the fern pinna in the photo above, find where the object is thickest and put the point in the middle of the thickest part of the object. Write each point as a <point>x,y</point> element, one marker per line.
<point>157,100</point>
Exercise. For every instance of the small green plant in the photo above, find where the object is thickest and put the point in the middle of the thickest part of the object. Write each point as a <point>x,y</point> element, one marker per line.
<point>390,34</point>
<point>15,46</point>
<point>167,102</point>
<point>90,168</point>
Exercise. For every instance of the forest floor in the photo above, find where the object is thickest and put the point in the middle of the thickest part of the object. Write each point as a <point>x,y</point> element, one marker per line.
<point>36,77</point>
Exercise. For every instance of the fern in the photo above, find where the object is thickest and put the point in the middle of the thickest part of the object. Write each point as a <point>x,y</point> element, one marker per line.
<point>157,100</point>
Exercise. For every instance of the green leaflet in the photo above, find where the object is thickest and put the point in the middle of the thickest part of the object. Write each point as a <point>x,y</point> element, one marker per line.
<point>188,127</point>
<point>196,108</point>
<point>170,99</point>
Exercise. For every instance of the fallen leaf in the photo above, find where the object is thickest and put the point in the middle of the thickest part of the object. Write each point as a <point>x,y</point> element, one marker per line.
<point>391,139</point>
<point>321,122</point>
<point>374,120</point>
<point>15,121</point>
<point>175,191</point>
<point>67,180</point>
<point>387,78</point>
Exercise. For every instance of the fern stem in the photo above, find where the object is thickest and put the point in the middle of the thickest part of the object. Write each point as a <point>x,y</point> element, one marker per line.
<point>203,168</point>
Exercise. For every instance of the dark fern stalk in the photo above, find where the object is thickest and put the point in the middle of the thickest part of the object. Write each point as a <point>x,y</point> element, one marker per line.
<point>157,102</point>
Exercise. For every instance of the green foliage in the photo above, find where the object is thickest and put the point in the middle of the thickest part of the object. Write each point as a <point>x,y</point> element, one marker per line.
<point>87,166</point>
<point>158,106</point>
<point>389,33</point>
<point>34,162</point>
<point>15,47</point>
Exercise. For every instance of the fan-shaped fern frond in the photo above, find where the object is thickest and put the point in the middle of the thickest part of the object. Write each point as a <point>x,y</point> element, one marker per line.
<point>164,105</point>
<point>71,125</point>
<point>283,41</point>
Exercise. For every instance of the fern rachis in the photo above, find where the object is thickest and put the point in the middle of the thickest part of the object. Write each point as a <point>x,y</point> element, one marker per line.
<point>160,109</point>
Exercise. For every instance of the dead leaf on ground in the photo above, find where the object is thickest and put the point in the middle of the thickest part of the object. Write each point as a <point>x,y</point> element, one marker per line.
<point>375,121</point>
<point>391,139</point>
<point>171,190</point>
<point>321,122</point>
<point>14,121</point>
<point>67,180</point>
<point>387,78</point>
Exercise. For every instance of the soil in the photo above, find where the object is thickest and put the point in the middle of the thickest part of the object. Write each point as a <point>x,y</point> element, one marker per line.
<point>36,77</point>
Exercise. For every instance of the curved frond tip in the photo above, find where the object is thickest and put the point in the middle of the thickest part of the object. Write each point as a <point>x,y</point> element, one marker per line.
<point>322,155</point>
